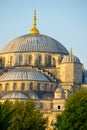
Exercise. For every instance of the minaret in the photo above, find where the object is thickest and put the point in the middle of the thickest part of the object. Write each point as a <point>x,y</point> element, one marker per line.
<point>34,30</point>
<point>71,53</point>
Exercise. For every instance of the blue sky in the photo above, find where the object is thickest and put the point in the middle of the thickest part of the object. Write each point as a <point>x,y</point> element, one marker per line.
<point>64,20</point>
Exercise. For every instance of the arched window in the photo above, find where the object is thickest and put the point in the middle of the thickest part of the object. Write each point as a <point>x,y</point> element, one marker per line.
<point>14,86</point>
<point>59,107</point>
<point>39,59</point>
<point>0,86</point>
<point>54,62</point>
<point>38,86</point>
<point>7,86</point>
<point>11,60</point>
<point>4,61</point>
<point>46,87</point>
<point>41,105</point>
<point>31,86</point>
<point>20,60</point>
<point>49,60</point>
<point>51,105</point>
<point>0,62</point>
<point>30,60</point>
<point>51,87</point>
<point>22,86</point>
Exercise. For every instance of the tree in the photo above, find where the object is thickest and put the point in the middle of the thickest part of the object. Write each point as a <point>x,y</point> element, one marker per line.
<point>27,117</point>
<point>5,116</point>
<point>74,117</point>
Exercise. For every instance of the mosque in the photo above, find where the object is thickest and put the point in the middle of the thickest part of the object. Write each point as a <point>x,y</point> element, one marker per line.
<point>38,67</point>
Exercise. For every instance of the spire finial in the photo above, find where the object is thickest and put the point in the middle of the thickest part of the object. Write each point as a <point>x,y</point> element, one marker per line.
<point>34,30</point>
<point>34,24</point>
<point>71,54</point>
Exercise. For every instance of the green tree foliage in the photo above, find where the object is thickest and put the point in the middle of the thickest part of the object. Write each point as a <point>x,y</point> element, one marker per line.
<point>74,117</point>
<point>27,117</point>
<point>5,115</point>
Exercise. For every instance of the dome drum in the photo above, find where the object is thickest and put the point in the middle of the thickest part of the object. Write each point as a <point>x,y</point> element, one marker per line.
<point>34,59</point>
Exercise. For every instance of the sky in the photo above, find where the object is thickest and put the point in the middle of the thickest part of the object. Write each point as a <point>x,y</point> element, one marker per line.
<point>63,20</point>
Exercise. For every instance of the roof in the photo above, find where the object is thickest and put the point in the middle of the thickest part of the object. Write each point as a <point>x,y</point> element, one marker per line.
<point>23,74</point>
<point>34,43</point>
<point>20,95</point>
<point>15,95</point>
<point>69,58</point>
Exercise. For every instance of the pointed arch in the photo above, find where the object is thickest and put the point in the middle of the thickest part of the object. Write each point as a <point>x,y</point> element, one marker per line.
<point>39,59</point>
<point>0,86</point>
<point>11,60</point>
<point>7,86</point>
<point>46,87</point>
<point>30,59</point>
<point>54,62</point>
<point>31,86</point>
<point>20,60</point>
<point>0,62</point>
<point>14,86</point>
<point>23,86</point>
<point>48,60</point>
<point>38,86</point>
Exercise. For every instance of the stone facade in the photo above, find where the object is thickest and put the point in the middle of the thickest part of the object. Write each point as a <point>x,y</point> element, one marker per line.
<point>38,67</point>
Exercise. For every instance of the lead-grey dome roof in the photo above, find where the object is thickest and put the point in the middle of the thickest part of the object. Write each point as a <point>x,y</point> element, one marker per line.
<point>34,43</point>
<point>59,90</point>
<point>20,95</point>
<point>69,58</point>
<point>23,74</point>
<point>15,95</point>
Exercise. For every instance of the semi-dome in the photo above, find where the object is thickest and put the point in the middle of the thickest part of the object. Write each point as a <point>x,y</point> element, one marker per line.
<point>34,43</point>
<point>15,95</point>
<point>23,74</point>
<point>20,95</point>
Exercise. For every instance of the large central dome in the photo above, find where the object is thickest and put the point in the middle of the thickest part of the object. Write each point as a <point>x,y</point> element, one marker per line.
<point>35,43</point>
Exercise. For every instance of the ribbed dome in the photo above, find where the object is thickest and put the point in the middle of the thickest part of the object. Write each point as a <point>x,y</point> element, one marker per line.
<point>33,95</point>
<point>59,90</point>
<point>15,95</point>
<point>19,95</point>
<point>22,74</point>
<point>70,59</point>
<point>34,43</point>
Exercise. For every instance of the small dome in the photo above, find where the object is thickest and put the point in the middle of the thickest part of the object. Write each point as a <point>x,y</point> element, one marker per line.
<point>33,95</point>
<point>15,95</point>
<point>70,59</point>
<point>23,74</point>
<point>59,90</point>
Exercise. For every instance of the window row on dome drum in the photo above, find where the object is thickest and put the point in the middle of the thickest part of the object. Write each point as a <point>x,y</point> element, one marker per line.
<point>27,87</point>
<point>26,60</point>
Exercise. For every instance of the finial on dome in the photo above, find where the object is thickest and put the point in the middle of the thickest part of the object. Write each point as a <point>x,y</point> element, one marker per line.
<point>34,30</point>
<point>34,24</point>
<point>71,54</point>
